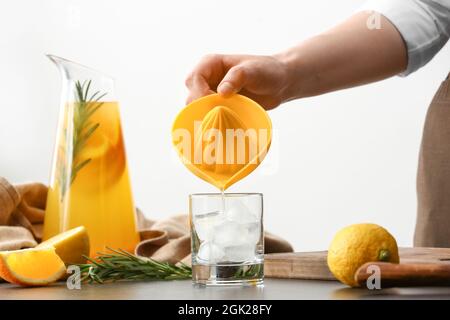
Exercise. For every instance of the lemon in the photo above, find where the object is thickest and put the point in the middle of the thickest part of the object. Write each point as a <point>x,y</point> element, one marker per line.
<point>70,245</point>
<point>356,245</point>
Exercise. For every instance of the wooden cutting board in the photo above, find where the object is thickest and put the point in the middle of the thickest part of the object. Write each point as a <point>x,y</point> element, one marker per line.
<point>313,265</point>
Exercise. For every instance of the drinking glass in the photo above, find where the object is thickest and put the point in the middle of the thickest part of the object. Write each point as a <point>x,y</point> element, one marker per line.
<point>227,238</point>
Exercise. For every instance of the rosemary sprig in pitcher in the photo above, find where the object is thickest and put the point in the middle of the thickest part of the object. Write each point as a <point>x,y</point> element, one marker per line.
<point>121,265</point>
<point>83,128</point>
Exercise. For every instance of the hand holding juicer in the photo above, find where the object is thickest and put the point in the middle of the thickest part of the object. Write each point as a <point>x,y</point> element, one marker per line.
<point>222,140</point>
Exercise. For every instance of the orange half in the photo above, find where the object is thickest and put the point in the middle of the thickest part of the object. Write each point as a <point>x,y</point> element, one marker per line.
<point>31,267</point>
<point>222,140</point>
<point>71,246</point>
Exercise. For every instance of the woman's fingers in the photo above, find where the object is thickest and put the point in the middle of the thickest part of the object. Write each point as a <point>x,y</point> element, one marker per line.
<point>234,81</point>
<point>259,77</point>
<point>198,87</point>
<point>205,77</point>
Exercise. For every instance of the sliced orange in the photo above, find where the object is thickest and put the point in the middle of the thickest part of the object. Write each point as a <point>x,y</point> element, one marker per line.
<point>106,135</point>
<point>97,146</point>
<point>31,267</point>
<point>71,245</point>
<point>104,149</point>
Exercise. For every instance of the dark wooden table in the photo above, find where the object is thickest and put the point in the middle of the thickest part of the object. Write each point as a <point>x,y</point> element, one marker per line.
<point>181,290</point>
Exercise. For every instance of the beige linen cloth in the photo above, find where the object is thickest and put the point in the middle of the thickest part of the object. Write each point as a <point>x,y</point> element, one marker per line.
<point>22,209</point>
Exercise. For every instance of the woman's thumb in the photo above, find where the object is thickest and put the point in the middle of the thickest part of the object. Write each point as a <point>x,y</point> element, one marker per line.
<point>233,81</point>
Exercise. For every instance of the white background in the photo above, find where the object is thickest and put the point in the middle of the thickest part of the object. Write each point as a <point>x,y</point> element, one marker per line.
<point>339,159</point>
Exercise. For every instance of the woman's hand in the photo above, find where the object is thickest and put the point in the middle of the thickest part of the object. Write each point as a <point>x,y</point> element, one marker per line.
<point>261,78</point>
<point>348,55</point>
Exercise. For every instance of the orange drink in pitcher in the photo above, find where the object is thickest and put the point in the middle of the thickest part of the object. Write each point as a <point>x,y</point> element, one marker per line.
<point>90,184</point>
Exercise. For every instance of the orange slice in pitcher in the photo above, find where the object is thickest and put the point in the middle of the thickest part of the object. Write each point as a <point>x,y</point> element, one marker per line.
<point>106,133</point>
<point>104,149</point>
<point>222,140</point>
<point>97,146</point>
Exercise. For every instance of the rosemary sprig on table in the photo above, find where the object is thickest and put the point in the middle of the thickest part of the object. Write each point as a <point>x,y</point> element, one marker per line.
<point>121,265</point>
<point>85,106</point>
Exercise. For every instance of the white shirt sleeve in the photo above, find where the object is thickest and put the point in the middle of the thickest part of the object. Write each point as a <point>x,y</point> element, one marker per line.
<point>423,24</point>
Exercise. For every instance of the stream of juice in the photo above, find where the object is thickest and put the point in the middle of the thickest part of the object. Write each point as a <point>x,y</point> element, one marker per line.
<point>99,196</point>
<point>222,193</point>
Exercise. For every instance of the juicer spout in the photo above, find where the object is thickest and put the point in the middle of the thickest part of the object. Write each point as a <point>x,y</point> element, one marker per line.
<point>73,72</point>
<point>72,69</point>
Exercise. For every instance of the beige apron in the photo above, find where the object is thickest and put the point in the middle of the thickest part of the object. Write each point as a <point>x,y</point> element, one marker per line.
<point>433,179</point>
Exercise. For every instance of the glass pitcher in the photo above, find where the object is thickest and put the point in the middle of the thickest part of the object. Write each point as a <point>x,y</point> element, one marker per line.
<point>89,183</point>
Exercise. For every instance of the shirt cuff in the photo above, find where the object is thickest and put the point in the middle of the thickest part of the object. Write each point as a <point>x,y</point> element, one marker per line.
<point>415,25</point>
